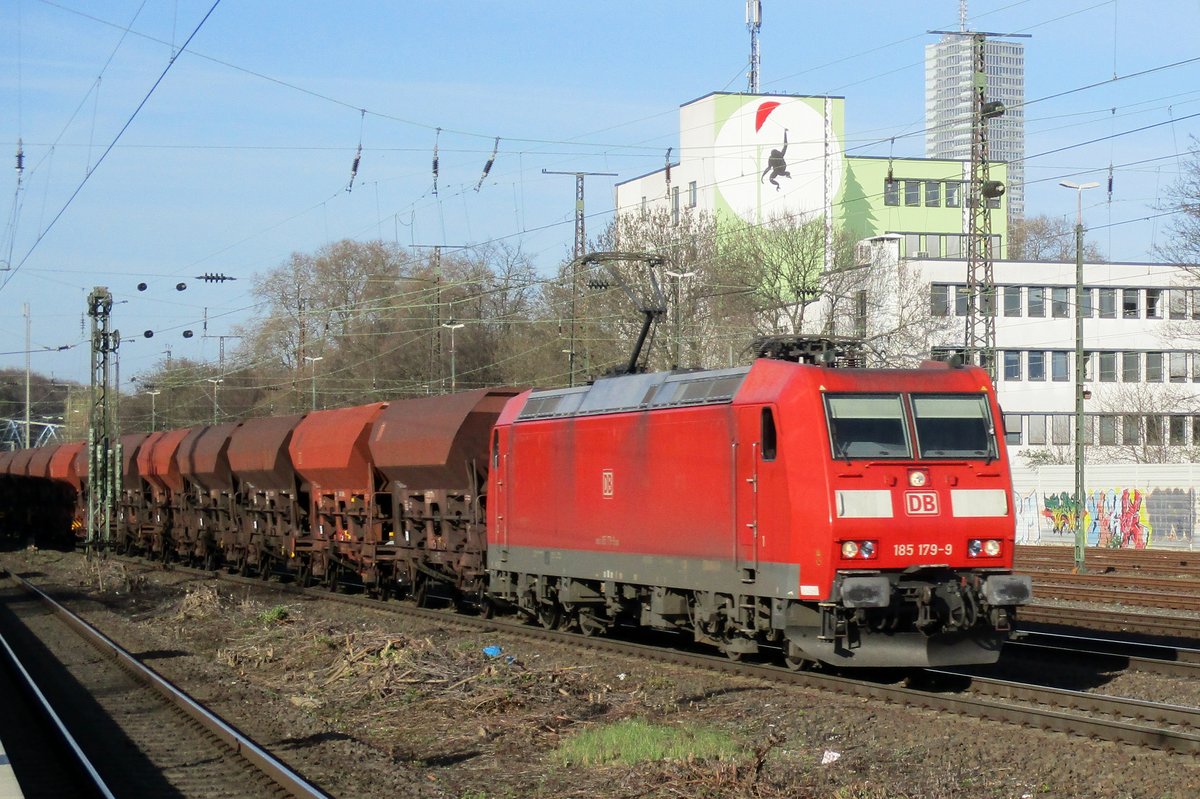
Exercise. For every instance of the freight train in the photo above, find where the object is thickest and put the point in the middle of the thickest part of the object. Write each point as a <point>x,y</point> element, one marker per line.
<point>843,516</point>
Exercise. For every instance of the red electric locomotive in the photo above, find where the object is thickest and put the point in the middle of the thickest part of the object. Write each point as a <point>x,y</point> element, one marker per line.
<point>848,516</point>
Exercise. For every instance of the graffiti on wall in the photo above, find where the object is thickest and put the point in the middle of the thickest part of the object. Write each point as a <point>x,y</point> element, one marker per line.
<point>1127,518</point>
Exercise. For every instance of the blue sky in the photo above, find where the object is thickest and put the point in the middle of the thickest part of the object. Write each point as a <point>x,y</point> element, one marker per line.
<point>242,154</point>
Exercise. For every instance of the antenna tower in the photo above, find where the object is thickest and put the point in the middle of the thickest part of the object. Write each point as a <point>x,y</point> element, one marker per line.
<point>104,457</point>
<point>754,25</point>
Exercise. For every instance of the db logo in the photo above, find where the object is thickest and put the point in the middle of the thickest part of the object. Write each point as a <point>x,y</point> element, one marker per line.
<point>921,503</point>
<point>606,483</point>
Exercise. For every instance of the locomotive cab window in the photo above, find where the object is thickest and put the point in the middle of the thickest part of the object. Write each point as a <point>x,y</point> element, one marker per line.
<point>867,426</point>
<point>770,445</point>
<point>954,426</point>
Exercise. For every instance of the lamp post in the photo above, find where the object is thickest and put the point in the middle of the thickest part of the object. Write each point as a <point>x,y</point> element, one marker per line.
<point>153,409</point>
<point>678,277</point>
<point>216,381</point>
<point>313,360</point>
<point>1080,496</point>
<point>452,326</point>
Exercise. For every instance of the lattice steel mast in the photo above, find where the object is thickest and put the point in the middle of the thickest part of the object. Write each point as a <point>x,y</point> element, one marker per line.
<point>104,459</point>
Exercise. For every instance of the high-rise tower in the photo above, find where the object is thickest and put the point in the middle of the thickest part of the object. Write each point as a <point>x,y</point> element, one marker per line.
<point>949,104</point>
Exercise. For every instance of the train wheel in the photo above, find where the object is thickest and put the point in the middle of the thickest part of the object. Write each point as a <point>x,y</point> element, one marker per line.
<point>421,591</point>
<point>331,578</point>
<point>798,663</point>
<point>210,561</point>
<point>486,609</point>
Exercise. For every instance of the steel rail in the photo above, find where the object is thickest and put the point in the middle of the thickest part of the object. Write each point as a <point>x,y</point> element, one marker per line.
<point>1183,666</point>
<point>241,744</point>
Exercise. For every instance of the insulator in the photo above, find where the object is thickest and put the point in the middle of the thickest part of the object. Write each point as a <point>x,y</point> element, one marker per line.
<point>149,334</point>
<point>188,334</point>
<point>180,286</point>
<point>993,109</point>
<point>992,189</point>
<point>142,287</point>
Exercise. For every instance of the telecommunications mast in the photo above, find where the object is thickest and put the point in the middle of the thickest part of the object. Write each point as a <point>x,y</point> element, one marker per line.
<point>754,25</point>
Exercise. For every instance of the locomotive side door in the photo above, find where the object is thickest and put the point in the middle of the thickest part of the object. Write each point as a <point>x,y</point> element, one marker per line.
<point>747,447</point>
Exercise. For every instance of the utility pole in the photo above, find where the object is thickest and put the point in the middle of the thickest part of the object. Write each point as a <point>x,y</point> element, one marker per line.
<point>435,344</point>
<point>28,347</point>
<point>103,447</point>
<point>577,254</point>
<point>979,337</point>
<point>1080,373</point>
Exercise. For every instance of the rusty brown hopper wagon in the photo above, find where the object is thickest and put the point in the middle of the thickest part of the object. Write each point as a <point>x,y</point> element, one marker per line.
<point>208,512</point>
<point>156,462</point>
<point>131,521</point>
<point>433,451</point>
<point>329,451</point>
<point>271,507</point>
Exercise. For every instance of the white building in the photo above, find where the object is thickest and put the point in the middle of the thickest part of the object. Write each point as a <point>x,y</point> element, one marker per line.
<point>949,106</point>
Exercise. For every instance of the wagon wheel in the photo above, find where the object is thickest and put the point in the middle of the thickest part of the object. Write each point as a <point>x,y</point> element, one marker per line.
<point>486,609</point>
<point>798,663</point>
<point>304,575</point>
<point>421,591</point>
<point>549,615</point>
<point>210,561</point>
<point>332,581</point>
<point>264,567</point>
<point>590,623</point>
<point>243,566</point>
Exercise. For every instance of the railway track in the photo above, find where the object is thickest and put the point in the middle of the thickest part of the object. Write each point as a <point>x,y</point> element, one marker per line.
<point>1126,655</point>
<point>1131,721</point>
<point>145,736</point>
<point>1180,563</point>
<point>1070,589</point>
<point>1146,626</point>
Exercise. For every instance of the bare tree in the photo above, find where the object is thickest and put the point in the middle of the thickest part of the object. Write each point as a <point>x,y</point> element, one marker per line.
<point>1047,238</point>
<point>1182,245</point>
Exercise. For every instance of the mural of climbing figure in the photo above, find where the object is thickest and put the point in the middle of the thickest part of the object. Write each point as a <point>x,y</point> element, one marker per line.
<point>777,165</point>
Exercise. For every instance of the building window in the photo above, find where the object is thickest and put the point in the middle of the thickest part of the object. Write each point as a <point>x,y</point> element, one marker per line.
<point>1089,365</point>
<point>1060,368</point>
<point>953,246</point>
<point>1177,431</point>
<point>1012,300</point>
<point>987,301</point>
<point>860,313</point>
<point>1131,430</point>
<point>1087,303</point>
<point>1129,303</point>
<point>1154,367</point>
<point>952,193</point>
<point>1179,367</point>
<point>1037,428</point>
<point>643,203</point>
<point>933,193</point>
<point>1012,429</point>
<point>675,205</point>
<point>1154,304</point>
<point>1131,367</point>
<point>1060,428</point>
<point>1036,305</point>
<point>891,192</point>
<point>1108,303</point>
<point>912,192</point>
<point>1154,431</point>
<point>939,299</point>
<point>1108,367</point>
<point>933,245</point>
<point>1177,303</point>
<point>960,301</point>
<point>1037,365</point>
<point>1196,367</point>
<point>1012,365</point>
<point>1060,306</point>
<point>1108,431</point>
<point>692,194</point>
<point>1195,430</point>
<point>1089,430</point>
<point>1195,303</point>
<point>992,202</point>
<point>912,245</point>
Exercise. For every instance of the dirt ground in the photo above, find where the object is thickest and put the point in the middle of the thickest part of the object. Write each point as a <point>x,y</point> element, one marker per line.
<point>367,703</point>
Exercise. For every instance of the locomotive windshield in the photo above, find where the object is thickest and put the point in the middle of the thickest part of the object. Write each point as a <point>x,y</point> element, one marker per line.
<point>867,426</point>
<point>953,426</point>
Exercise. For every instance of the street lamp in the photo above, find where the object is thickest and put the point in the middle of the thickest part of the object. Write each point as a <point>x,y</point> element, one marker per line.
<point>678,276</point>
<point>313,360</point>
<point>153,409</point>
<point>216,381</point>
<point>1080,496</point>
<point>452,326</point>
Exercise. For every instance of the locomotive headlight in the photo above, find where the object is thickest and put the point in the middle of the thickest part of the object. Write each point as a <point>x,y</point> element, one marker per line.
<point>917,479</point>
<point>859,549</point>
<point>978,546</point>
